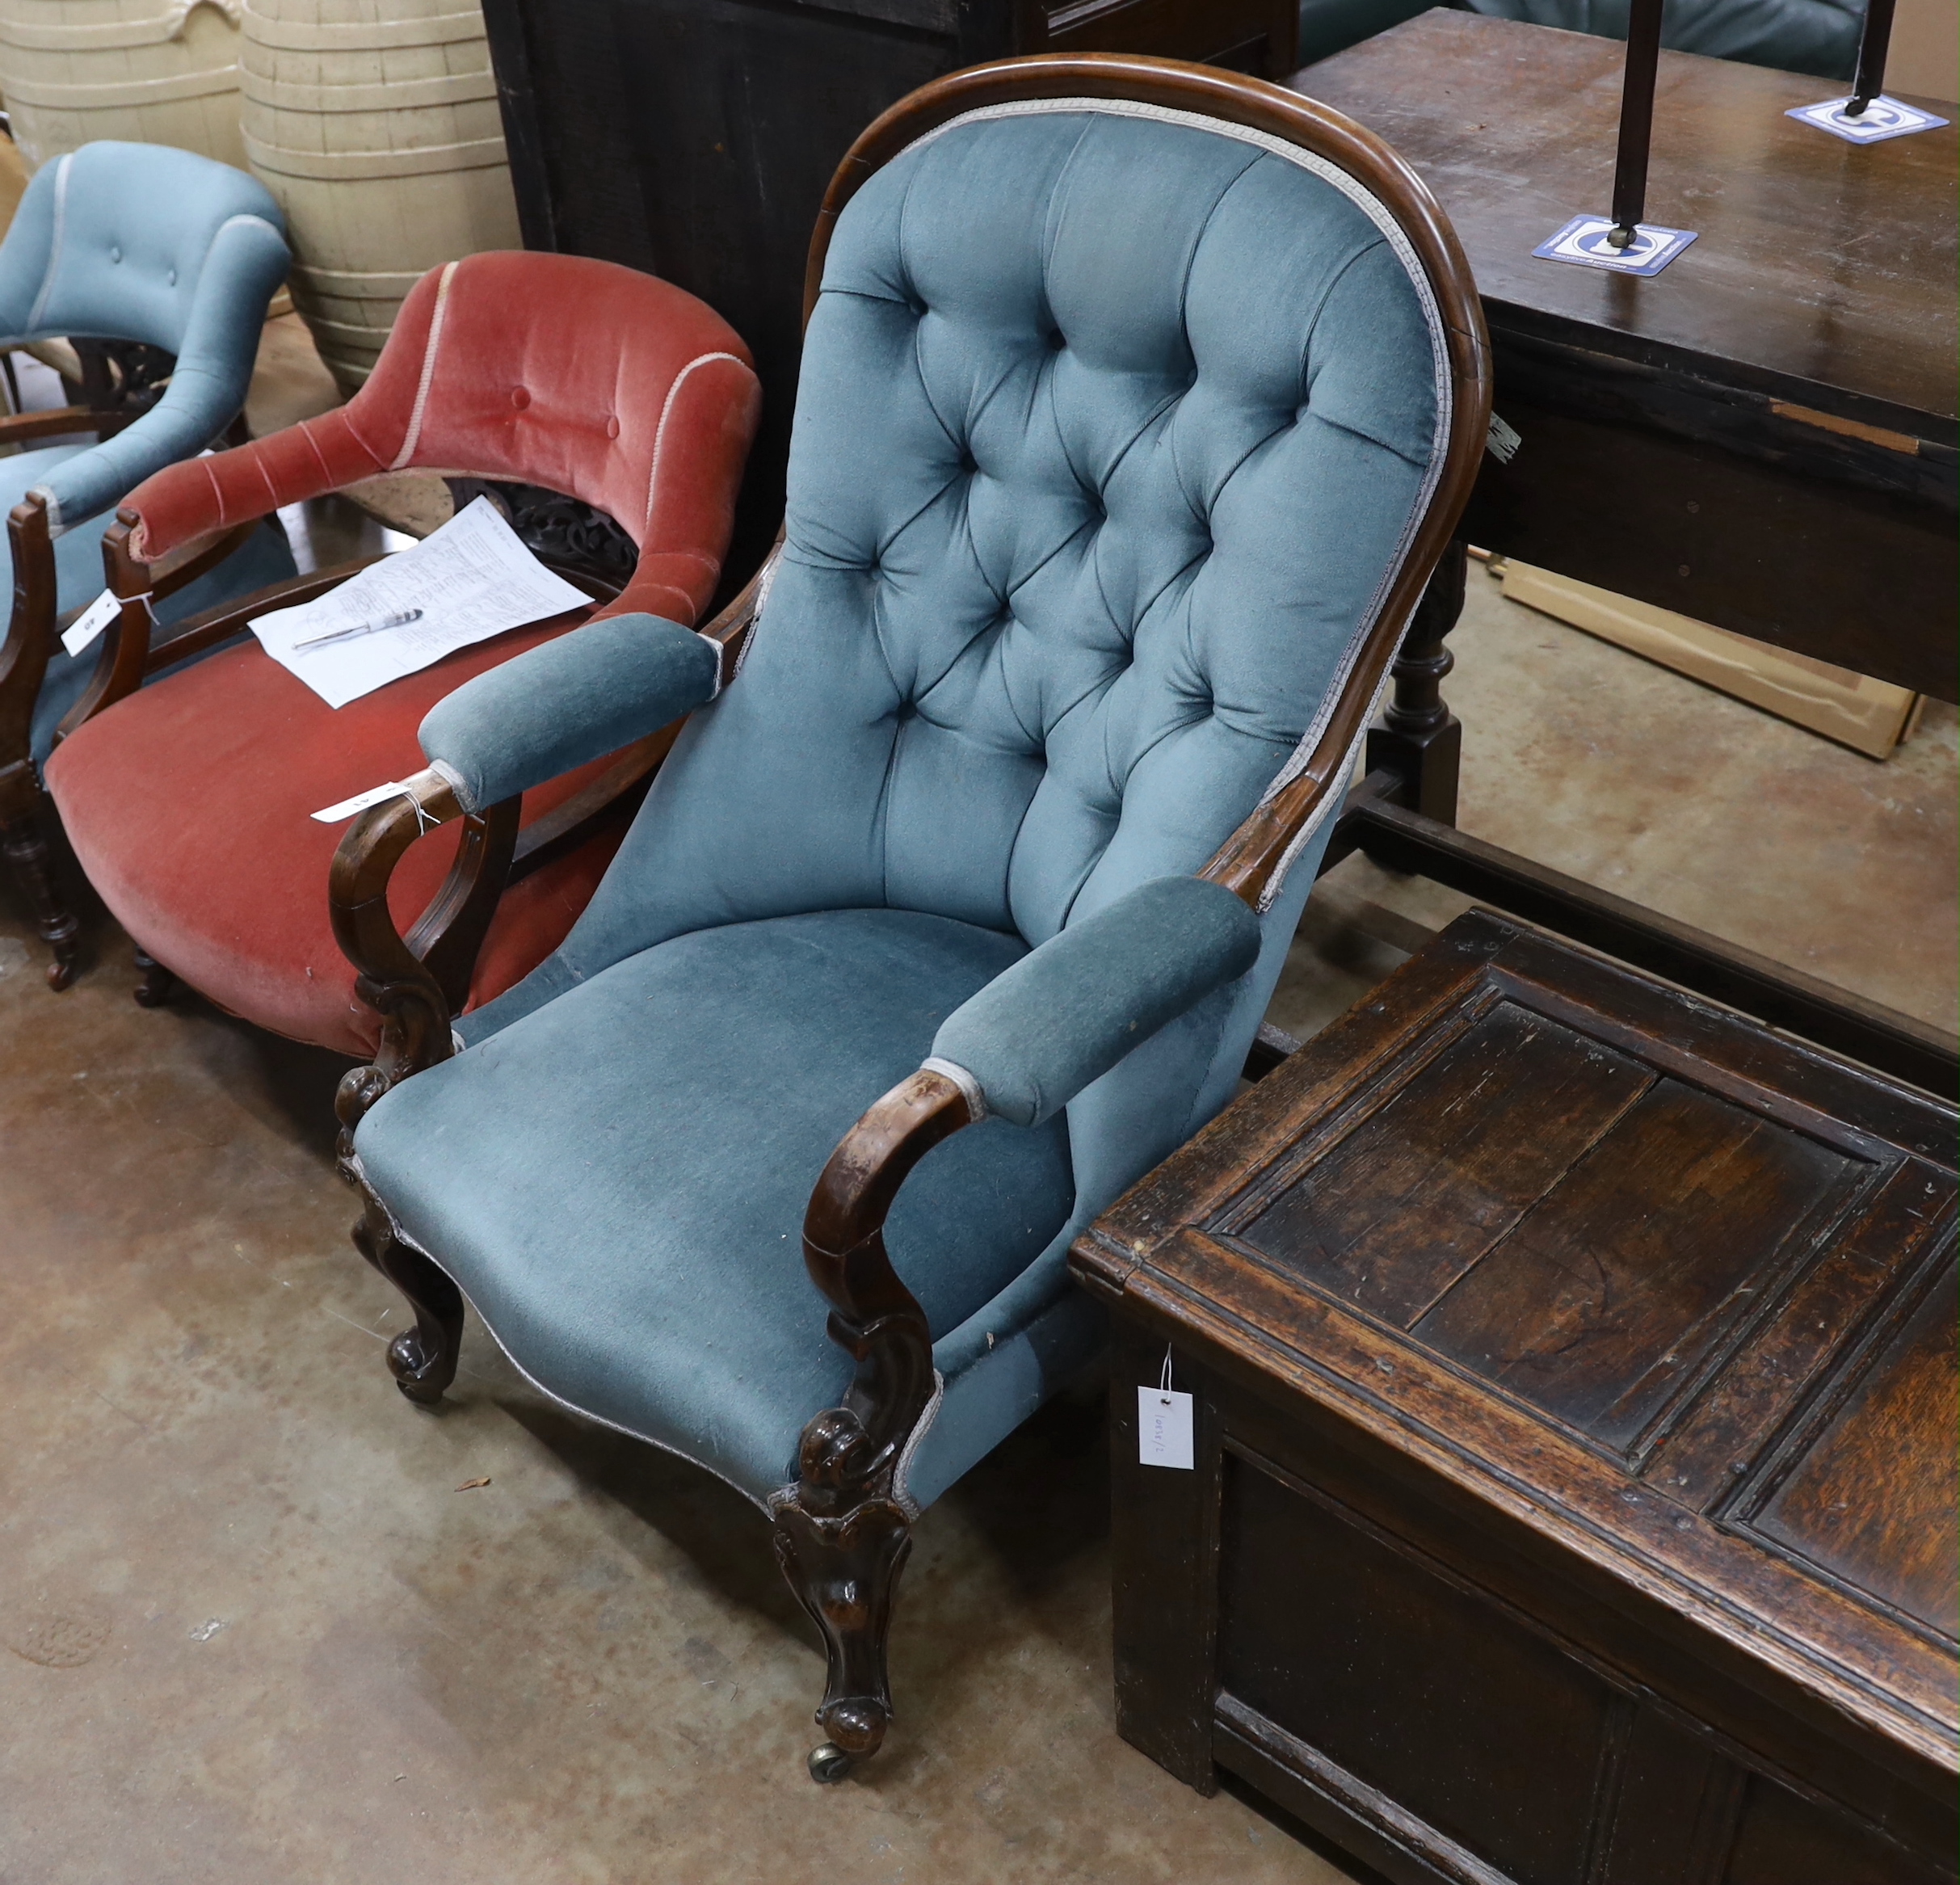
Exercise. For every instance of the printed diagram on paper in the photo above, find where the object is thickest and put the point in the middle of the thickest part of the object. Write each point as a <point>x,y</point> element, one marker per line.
<point>463,583</point>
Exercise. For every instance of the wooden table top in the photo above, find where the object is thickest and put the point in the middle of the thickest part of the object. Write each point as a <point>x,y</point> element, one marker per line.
<point>1825,271</point>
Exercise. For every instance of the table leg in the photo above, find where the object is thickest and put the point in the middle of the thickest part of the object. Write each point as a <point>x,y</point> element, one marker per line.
<point>1874,45</point>
<point>1423,740</point>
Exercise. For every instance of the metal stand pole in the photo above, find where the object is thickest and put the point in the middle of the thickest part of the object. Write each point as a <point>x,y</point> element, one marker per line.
<point>1875,42</point>
<point>1629,175</point>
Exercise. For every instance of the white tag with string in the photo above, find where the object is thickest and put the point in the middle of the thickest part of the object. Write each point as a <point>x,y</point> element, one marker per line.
<point>1164,1424</point>
<point>333,814</point>
<point>92,621</point>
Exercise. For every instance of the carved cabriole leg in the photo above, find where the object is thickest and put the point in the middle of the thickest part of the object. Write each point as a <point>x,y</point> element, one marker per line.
<point>23,841</point>
<point>843,1566</point>
<point>157,984</point>
<point>1423,740</point>
<point>422,1360</point>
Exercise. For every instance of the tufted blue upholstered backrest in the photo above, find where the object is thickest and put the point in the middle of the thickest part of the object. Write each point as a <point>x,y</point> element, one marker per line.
<point>137,242</point>
<point>1114,427</point>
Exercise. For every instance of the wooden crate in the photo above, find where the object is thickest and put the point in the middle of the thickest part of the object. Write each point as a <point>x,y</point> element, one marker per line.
<point>1574,1502</point>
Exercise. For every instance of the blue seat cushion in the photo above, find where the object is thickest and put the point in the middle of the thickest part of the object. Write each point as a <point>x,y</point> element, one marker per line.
<point>617,1179</point>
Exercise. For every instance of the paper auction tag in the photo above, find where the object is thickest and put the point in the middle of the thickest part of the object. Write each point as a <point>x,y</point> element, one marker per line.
<point>1164,1424</point>
<point>347,808</point>
<point>92,621</point>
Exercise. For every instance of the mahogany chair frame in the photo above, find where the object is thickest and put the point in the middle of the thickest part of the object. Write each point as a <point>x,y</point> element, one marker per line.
<point>842,1530</point>
<point>120,381</point>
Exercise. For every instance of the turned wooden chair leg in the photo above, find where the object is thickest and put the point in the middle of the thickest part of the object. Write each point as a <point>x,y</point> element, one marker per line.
<point>157,984</point>
<point>843,1560</point>
<point>23,841</point>
<point>422,1359</point>
<point>1422,740</point>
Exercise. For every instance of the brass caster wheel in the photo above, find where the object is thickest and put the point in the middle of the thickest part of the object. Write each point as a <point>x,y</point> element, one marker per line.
<point>829,1763</point>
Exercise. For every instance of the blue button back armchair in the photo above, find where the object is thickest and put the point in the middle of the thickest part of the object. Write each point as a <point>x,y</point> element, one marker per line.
<point>1137,403</point>
<point>179,255</point>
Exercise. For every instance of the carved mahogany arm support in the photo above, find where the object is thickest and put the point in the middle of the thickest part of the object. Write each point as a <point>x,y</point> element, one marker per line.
<point>395,975</point>
<point>873,1316</point>
<point>842,1529</point>
<point>126,657</point>
<point>419,983</point>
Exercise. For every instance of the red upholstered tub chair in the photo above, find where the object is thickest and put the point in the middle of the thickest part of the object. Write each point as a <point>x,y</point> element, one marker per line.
<point>188,801</point>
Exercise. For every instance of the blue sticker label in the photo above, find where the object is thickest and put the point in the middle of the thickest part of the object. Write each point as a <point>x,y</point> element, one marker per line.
<point>1584,240</point>
<point>1881,119</point>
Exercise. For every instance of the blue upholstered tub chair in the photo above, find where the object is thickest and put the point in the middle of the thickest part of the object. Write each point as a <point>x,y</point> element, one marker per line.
<point>170,258</point>
<point>1817,36</point>
<point>1137,404</point>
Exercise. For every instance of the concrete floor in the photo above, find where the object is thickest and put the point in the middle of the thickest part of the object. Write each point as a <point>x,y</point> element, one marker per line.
<point>255,1630</point>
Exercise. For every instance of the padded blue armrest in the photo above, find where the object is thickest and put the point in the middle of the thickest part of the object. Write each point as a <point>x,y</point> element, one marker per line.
<point>247,261</point>
<point>1068,1012</point>
<point>574,699</point>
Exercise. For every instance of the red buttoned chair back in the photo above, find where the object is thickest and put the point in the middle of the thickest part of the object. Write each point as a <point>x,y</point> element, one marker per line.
<point>188,801</point>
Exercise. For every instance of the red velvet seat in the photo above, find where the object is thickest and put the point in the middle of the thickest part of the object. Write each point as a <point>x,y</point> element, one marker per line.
<point>188,801</point>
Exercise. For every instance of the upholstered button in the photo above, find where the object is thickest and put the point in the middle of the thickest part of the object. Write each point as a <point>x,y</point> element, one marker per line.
<point>115,255</point>
<point>173,278</point>
<point>519,397</point>
<point>612,426</point>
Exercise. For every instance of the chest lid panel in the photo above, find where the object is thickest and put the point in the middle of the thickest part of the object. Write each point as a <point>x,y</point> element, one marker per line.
<point>1630,1267</point>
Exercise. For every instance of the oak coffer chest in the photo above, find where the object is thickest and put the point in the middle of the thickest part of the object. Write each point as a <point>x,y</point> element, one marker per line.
<point>1572,1499</point>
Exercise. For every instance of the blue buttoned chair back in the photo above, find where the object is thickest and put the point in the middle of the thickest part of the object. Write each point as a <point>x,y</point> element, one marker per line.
<point>139,242</point>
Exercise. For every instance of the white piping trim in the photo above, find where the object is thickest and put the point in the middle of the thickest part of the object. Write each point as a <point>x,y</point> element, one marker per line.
<point>1398,240</point>
<point>413,438</point>
<point>453,780</point>
<point>660,430</point>
<point>54,247</point>
<point>902,1474</point>
<point>975,1093</point>
<point>243,215</point>
<point>1330,802</point>
<point>764,584</point>
<point>55,525</point>
<point>394,1225</point>
<point>718,651</point>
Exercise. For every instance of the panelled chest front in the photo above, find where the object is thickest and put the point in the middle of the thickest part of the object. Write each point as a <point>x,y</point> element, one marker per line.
<point>1574,1379</point>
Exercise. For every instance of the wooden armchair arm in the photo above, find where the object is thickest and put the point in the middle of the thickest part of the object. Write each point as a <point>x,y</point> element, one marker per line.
<point>126,656</point>
<point>418,982</point>
<point>842,1531</point>
<point>16,428</point>
<point>874,1316</point>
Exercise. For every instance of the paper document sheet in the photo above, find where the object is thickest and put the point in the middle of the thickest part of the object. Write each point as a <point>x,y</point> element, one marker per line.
<point>471,579</point>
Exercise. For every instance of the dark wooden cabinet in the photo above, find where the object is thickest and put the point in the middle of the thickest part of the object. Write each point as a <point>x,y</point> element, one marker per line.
<point>695,138</point>
<point>1573,1367</point>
